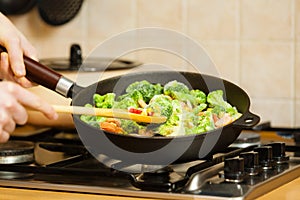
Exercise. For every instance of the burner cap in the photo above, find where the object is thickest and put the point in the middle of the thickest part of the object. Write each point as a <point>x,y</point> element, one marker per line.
<point>14,152</point>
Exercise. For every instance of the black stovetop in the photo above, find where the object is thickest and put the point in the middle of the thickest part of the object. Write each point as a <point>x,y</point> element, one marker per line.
<point>61,162</point>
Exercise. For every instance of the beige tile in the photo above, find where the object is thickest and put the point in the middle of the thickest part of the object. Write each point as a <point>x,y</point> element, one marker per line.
<point>297,19</point>
<point>297,113</point>
<point>156,59</point>
<point>266,69</point>
<point>72,29</point>
<point>107,18</point>
<point>55,47</point>
<point>266,19</point>
<point>157,13</point>
<point>297,71</point>
<point>225,56</point>
<point>272,110</point>
<point>215,19</point>
<point>28,23</point>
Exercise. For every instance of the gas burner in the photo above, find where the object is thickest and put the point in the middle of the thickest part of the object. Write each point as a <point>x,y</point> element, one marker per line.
<point>15,152</point>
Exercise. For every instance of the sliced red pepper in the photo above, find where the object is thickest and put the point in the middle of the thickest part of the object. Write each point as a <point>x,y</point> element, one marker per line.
<point>134,110</point>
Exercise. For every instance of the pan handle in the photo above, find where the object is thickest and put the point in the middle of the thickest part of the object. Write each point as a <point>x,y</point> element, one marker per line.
<point>246,121</point>
<point>46,77</point>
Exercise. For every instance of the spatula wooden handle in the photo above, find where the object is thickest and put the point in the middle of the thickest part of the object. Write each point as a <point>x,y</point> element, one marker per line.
<point>105,112</point>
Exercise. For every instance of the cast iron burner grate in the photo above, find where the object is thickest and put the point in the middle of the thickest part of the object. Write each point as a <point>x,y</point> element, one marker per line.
<point>226,174</point>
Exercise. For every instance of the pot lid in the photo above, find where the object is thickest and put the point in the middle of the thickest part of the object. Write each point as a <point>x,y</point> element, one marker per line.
<point>76,62</point>
<point>90,64</point>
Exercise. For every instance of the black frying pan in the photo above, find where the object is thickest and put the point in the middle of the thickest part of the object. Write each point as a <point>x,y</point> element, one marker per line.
<point>148,150</point>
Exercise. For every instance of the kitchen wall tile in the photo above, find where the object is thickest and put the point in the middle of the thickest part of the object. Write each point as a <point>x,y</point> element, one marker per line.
<point>157,13</point>
<point>29,24</point>
<point>68,30</point>
<point>158,59</point>
<point>297,71</point>
<point>266,19</point>
<point>266,69</point>
<point>278,112</point>
<point>297,114</point>
<point>107,18</point>
<point>225,55</point>
<point>215,19</point>
<point>297,19</point>
<point>254,43</point>
<point>55,47</point>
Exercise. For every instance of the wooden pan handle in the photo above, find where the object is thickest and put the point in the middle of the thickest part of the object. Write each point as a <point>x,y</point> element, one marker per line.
<point>41,74</point>
<point>46,76</point>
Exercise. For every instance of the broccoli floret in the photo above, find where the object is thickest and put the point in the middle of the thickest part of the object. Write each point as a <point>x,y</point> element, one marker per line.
<point>220,106</point>
<point>173,126</point>
<point>136,96</point>
<point>199,108</point>
<point>188,99</point>
<point>199,95</point>
<point>176,115</point>
<point>92,120</point>
<point>215,98</point>
<point>204,123</point>
<point>175,86</point>
<point>104,101</point>
<point>160,104</point>
<point>125,103</point>
<point>147,89</point>
<point>130,126</point>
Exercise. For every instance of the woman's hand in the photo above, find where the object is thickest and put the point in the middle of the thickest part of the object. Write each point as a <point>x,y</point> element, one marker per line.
<point>12,65</point>
<point>14,99</point>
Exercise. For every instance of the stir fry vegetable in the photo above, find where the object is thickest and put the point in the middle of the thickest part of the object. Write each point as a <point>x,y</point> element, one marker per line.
<point>187,111</point>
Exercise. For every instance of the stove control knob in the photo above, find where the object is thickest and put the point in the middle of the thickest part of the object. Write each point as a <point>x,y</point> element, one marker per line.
<point>278,149</point>
<point>251,162</point>
<point>234,170</point>
<point>265,155</point>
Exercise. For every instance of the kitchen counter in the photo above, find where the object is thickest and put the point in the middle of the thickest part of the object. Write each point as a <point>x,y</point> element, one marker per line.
<point>290,190</point>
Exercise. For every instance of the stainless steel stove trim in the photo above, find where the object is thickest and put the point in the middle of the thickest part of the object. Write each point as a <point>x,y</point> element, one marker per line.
<point>273,183</point>
<point>103,190</point>
<point>198,179</point>
<point>257,191</point>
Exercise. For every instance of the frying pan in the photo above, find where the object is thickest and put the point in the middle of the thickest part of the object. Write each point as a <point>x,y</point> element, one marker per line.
<point>131,150</point>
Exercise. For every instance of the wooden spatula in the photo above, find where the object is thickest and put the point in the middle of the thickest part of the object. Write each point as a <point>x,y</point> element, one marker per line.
<point>106,112</point>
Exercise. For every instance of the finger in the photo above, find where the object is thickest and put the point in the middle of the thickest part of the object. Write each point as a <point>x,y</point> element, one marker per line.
<point>32,101</point>
<point>8,75</point>
<point>4,136</point>
<point>7,125</point>
<point>18,114</point>
<point>28,49</point>
<point>23,82</point>
<point>6,72</point>
<point>15,55</point>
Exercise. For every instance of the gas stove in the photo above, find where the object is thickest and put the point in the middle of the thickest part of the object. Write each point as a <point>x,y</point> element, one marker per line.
<point>57,160</point>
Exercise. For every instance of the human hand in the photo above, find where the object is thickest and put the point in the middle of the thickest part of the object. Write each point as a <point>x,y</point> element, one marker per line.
<point>12,65</point>
<point>14,99</point>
